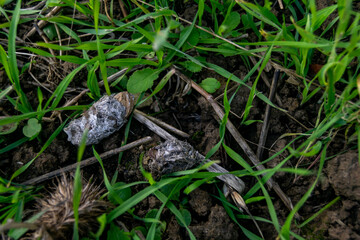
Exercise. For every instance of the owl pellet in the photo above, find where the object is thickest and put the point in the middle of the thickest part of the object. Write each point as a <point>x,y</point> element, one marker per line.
<point>103,118</point>
<point>171,156</point>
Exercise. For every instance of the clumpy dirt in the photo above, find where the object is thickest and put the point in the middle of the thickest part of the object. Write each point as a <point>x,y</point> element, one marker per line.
<point>344,175</point>
<point>51,159</point>
<point>217,226</point>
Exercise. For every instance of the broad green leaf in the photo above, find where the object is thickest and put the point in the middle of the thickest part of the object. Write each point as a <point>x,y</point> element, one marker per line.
<point>229,24</point>
<point>187,217</point>
<point>50,31</point>
<point>191,66</point>
<point>142,80</point>
<point>160,85</point>
<point>115,233</point>
<point>119,195</point>
<point>210,85</point>
<point>201,10</point>
<point>192,40</point>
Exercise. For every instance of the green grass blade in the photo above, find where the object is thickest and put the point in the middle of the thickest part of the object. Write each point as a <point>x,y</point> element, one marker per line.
<point>13,66</point>
<point>78,185</point>
<point>175,211</point>
<point>228,208</point>
<point>285,231</point>
<point>181,41</point>
<point>102,59</point>
<point>108,185</point>
<point>14,145</point>
<point>327,206</point>
<point>138,197</point>
<point>253,88</point>
<point>60,90</point>
<point>47,143</point>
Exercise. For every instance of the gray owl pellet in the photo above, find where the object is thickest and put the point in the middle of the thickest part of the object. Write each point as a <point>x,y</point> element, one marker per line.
<point>103,118</point>
<point>172,156</point>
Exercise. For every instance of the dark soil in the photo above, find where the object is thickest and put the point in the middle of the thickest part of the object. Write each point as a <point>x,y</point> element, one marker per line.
<point>194,115</point>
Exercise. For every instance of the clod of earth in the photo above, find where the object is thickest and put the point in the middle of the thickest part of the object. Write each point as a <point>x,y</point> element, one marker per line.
<point>102,119</point>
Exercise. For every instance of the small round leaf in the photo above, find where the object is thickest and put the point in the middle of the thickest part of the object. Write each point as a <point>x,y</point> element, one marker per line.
<point>142,80</point>
<point>186,216</point>
<point>32,128</point>
<point>210,85</point>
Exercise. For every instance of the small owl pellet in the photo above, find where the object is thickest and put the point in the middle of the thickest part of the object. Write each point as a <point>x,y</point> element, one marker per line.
<point>103,118</point>
<point>171,156</point>
<point>175,155</point>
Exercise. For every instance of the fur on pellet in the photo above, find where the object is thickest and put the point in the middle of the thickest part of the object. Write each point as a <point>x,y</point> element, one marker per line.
<point>58,219</point>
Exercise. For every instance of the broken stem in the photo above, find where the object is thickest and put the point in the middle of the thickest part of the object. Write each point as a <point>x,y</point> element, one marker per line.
<point>42,23</point>
<point>164,125</point>
<point>87,162</point>
<point>265,126</point>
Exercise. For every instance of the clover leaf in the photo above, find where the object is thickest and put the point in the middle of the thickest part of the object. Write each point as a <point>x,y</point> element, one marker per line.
<point>32,129</point>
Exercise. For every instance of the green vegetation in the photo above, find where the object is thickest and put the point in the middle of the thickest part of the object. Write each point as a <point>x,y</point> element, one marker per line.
<point>147,43</point>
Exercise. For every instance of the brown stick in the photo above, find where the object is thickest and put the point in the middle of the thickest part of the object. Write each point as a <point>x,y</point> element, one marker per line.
<point>164,125</point>
<point>281,4</point>
<point>229,179</point>
<point>42,23</point>
<point>265,126</point>
<point>241,141</point>
<point>153,127</point>
<point>123,10</point>
<point>267,82</point>
<point>86,162</point>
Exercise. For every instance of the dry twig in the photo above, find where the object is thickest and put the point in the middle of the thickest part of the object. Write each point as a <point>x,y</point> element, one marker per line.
<point>241,141</point>
<point>42,23</point>
<point>87,162</point>
<point>233,181</point>
<point>163,124</point>
<point>123,10</point>
<point>265,126</point>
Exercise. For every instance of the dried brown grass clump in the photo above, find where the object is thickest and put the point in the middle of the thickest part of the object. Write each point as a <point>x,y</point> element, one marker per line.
<point>58,220</point>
